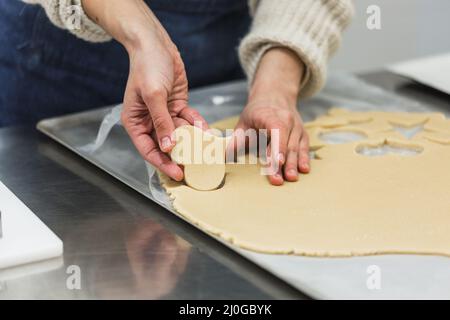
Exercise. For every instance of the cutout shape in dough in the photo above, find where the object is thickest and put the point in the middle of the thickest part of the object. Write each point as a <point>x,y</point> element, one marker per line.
<point>439,125</point>
<point>437,137</point>
<point>389,146</point>
<point>349,204</point>
<point>338,136</point>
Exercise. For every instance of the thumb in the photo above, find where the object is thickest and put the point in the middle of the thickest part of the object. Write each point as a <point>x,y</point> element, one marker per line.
<point>156,102</point>
<point>236,145</point>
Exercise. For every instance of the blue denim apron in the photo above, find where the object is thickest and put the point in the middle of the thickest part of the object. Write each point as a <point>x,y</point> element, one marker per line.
<point>46,71</point>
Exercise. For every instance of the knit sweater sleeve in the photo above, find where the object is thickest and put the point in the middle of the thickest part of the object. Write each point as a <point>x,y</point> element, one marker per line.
<point>311,28</point>
<point>69,15</point>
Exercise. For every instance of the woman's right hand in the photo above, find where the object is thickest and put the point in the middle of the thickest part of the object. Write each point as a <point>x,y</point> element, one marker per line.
<point>156,101</point>
<point>156,96</point>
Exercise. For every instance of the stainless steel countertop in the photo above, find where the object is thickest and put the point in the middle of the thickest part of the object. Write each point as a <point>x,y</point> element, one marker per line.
<point>125,245</point>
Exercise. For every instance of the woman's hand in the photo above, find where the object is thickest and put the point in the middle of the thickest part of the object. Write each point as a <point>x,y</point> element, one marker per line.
<point>156,102</point>
<point>156,96</point>
<point>155,278</point>
<point>272,104</point>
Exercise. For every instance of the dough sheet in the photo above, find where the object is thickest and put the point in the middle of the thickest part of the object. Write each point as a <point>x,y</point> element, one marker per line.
<point>361,197</point>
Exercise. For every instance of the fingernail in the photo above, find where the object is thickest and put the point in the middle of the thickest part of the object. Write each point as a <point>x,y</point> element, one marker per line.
<point>306,166</point>
<point>166,143</point>
<point>198,124</point>
<point>280,158</point>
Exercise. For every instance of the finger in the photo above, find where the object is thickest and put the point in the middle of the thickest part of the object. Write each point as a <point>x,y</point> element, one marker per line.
<point>304,164</point>
<point>182,259</point>
<point>179,122</point>
<point>237,142</point>
<point>162,269</point>
<point>291,165</point>
<point>277,178</point>
<point>193,117</point>
<point>156,101</point>
<point>275,174</point>
<point>154,137</point>
<point>149,150</point>
<point>279,135</point>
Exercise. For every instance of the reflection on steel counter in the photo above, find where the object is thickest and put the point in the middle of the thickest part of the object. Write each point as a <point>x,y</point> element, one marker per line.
<point>149,267</point>
<point>123,242</point>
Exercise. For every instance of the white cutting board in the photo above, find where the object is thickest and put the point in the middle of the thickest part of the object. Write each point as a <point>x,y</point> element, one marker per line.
<point>26,239</point>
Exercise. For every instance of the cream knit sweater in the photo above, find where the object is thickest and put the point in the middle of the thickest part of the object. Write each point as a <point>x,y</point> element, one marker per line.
<point>311,28</point>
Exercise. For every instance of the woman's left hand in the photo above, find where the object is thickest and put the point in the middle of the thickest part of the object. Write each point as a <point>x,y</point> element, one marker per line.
<point>272,104</point>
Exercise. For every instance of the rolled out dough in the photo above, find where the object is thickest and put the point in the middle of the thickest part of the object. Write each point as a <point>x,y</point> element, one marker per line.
<point>350,204</point>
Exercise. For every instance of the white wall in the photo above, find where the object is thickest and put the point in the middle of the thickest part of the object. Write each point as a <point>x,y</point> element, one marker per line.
<point>410,28</point>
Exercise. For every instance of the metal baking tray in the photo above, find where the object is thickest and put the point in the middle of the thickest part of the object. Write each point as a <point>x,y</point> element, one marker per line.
<point>401,276</point>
